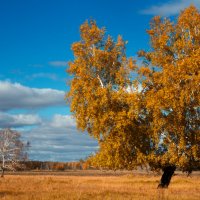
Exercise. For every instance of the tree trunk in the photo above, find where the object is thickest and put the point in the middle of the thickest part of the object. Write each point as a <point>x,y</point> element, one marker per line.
<point>2,172</point>
<point>166,177</point>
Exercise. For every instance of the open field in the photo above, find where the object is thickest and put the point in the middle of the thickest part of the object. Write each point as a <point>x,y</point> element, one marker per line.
<point>97,185</point>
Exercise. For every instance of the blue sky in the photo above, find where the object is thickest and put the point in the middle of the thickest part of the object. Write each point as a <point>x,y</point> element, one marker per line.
<point>35,40</point>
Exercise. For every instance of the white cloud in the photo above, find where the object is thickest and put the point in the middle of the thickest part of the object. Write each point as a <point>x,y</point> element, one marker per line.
<point>170,8</point>
<point>36,65</point>
<point>17,96</point>
<point>59,140</point>
<point>19,120</point>
<point>56,139</point>
<point>63,121</point>
<point>44,75</point>
<point>58,63</point>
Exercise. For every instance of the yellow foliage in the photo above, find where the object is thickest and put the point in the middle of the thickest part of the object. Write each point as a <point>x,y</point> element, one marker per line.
<point>172,88</point>
<point>158,126</point>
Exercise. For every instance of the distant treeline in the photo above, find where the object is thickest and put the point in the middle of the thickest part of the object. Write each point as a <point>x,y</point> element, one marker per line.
<point>58,166</point>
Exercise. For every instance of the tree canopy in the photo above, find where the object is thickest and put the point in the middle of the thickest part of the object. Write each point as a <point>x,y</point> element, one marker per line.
<point>157,125</point>
<point>102,97</point>
<point>171,88</point>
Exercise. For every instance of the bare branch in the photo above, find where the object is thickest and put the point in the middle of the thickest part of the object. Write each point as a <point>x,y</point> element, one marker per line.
<point>102,85</point>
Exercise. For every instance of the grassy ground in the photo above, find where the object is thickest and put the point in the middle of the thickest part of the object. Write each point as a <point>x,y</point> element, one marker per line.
<point>102,187</point>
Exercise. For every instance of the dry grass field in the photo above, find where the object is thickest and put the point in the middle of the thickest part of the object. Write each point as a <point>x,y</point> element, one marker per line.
<point>99,186</point>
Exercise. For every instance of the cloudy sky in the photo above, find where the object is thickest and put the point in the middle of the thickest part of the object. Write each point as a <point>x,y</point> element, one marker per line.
<point>35,41</point>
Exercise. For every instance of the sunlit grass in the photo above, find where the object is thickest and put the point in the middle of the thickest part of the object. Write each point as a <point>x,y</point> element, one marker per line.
<point>42,187</point>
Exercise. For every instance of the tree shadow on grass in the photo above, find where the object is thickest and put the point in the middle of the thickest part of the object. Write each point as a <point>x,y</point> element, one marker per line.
<point>9,193</point>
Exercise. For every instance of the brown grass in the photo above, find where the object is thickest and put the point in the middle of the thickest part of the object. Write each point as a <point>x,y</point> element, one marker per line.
<point>139,186</point>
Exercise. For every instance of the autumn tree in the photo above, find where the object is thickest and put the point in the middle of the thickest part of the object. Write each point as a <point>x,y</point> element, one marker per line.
<point>156,127</point>
<point>103,100</point>
<point>171,89</point>
<point>12,150</point>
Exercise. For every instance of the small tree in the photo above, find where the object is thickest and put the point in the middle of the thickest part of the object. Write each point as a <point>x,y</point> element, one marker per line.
<point>12,150</point>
